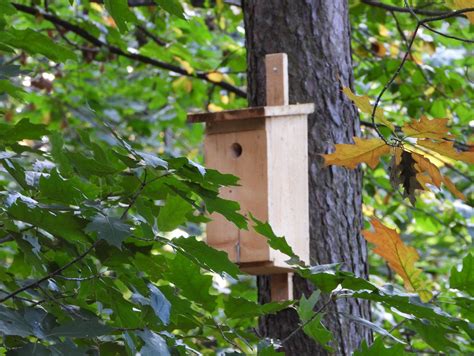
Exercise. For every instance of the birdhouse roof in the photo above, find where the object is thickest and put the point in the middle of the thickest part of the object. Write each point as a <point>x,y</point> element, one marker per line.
<point>253,113</point>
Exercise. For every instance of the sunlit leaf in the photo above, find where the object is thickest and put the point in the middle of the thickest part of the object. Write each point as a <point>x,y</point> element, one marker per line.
<point>363,150</point>
<point>400,257</point>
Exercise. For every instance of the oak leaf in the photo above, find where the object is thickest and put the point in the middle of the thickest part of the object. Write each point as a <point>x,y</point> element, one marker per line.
<point>400,257</point>
<point>403,172</point>
<point>430,174</point>
<point>446,148</point>
<point>426,128</point>
<point>363,103</point>
<point>363,150</point>
<point>464,4</point>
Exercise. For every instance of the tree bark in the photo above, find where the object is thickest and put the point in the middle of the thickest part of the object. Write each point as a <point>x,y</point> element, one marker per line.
<point>316,36</point>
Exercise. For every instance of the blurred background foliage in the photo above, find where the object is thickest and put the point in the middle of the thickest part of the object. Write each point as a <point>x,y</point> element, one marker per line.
<point>115,141</point>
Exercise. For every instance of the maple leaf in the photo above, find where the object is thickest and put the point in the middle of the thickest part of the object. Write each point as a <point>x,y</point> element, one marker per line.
<point>363,150</point>
<point>363,103</point>
<point>426,128</point>
<point>446,148</point>
<point>400,257</point>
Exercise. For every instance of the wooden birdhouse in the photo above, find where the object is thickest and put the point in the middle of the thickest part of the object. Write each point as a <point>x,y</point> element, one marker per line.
<point>266,147</point>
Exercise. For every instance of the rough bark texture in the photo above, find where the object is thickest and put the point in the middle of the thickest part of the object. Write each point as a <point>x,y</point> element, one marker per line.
<point>316,36</point>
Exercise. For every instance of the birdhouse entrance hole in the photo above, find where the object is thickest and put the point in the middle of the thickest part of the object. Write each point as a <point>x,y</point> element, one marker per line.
<point>236,149</point>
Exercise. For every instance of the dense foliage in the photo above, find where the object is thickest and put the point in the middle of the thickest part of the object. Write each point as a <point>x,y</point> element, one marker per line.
<point>103,198</point>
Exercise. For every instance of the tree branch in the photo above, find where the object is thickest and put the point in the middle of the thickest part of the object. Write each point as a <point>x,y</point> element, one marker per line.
<point>50,275</point>
<point>404,9</point>
<point>116,50</point>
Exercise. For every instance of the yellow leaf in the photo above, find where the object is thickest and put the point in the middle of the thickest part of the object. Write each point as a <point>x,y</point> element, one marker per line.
<point>214,108</point>
<point>183,83</point>
<point>452,188</point>
<point>350,155</point>
<point>185,65</point>
<point>363,103</point>
<point>426,128</point>
<point>464,4</point>
<point>446,148</point>
<point>425,166</point>
<point>433,176</point>
<point>400,257</point>
<point>215,77</point>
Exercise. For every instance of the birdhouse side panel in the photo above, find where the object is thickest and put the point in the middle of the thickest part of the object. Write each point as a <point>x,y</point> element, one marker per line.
<point>243,154</point>
<point>287,146</point>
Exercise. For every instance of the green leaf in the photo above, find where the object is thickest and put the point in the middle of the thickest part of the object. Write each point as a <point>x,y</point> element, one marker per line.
<point>276,242</point>
<point>464,279</point>
<point>13,323</point>
<point>111,229</point>
<point>173,213</point>
<point>206,256</point>
<point>89,166</point>
<point>172,6</point>
<point>120,12</point>
<point>193,284</point>
<point>228,208</point>
<point>34,42</point>
<point>434,335</point>
<point>160,304</point>
<point>154,344</point>
<point>81,329</point>
<point>378,349</point>
<point>6,8</point>
<point>370,325</point>
<point>238,308</point>
<point>63,224</point>
<point>62,190</point>
<point>306,306</point>
<point>23,130</point>
<point>7,87</point>
<point>318,332</point>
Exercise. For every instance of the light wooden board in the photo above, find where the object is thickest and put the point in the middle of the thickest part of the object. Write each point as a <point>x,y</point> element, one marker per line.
<point>241,245</point>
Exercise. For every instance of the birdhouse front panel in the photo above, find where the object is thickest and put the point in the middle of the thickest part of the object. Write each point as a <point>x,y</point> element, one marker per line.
<point>243,154</point>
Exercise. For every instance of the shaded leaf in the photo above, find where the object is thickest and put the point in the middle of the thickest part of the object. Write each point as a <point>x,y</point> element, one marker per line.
<point>363,150</point>
<point>120,12</point>
<point>160,304</point>
<point>81,329</point>
<point>35,42</point>
<point>172,6</point>
<point>378,349</point>
<point>154,344</point>
<point>400,257</point>
<point>463,279</point>
<point>206,256</point>
<point>111,229</point>
<point>173,213</point>
<point>434,335</point>
<point>276,242</point>
<point>370,325</point>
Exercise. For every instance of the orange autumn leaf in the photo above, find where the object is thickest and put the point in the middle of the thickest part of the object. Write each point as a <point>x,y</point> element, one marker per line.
<point>400,257</point>
<point>464,4</point>
<point>426,128</point>
<point>446,148</point>
<point>430,174</point>
<point>363,150</point>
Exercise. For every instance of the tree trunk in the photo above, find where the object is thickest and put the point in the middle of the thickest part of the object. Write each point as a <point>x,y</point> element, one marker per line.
<point>316,36</point>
